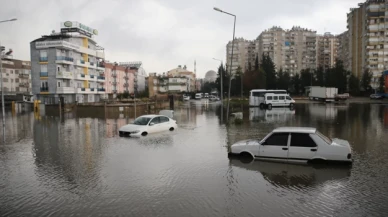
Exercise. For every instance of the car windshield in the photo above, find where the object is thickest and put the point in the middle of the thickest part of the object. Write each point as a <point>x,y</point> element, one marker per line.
<point>325,138</point>
<point>141,121</point>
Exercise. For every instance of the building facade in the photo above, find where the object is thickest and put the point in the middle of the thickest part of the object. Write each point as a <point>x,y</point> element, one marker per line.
<point>244,54</point>
<point>68,65</point>
<point>183,72</point>
<point>162,84</point>
<point>327,50</point>
<point>136,70</point>
<point>343,49</point>
<point>118,79</point>
<point>271,43</point>
<point>16,76</point>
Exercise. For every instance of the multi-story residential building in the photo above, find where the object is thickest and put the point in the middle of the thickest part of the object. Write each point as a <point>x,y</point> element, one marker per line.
<point>161,84</point>
<point>327,50</point>
<point>68,65</point>
<point>367,32</point>
<point>136,69</point>
<point>291,50</point>
<point>244,52</point>
<point>271,43</point>
<point>183,72</point>
<point>343,49</point>
<point>16,76</point>
<point>119,79</point>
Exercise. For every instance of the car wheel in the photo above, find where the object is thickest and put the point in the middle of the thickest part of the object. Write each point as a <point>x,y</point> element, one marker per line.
<point>291,105</point>
<point>144,133</point>
<point>246,157</point>
<point>261,105</point>
<point>172,129</point>
<point>317,161</point>
<point>269,106</point>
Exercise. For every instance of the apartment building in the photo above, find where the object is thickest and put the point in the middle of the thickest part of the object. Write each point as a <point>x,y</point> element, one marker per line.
<point>367,31</point>
<point>183,72</point>
<point>271,43</point>
<point>118,79</point>
<point>139,74</point>
<point>343,49</point>
<point>16,76</point>
<point>244,52</point>
<point>327,50</point>
<point>162,84</point>
<point>69,65</point>
<point>291,50</point>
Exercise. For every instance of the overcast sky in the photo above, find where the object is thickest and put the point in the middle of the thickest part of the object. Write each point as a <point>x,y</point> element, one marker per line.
<point>166,33</point>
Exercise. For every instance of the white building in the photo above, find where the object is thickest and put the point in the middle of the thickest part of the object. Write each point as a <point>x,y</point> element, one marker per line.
<point>68,64</point>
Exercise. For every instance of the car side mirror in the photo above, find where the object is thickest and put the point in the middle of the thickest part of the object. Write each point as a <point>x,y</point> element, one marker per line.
<point>152,124</point>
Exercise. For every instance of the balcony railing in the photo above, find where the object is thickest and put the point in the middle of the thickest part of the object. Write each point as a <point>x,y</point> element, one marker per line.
<point>43,59</point>
<point>102,65</point>
<point>82,61</point>
<point>82,89</point>
<point>101,89</point>
<point>82,76</point>
<point>91,76</point>
<point>101,78</point>
<point>43,74</point>
<point>91,89</point>
<point>43,89</point>
<point>91,63</point>
<point>64,58</point>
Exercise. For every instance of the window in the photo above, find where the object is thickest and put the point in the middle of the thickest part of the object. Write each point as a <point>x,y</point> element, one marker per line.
<point>275,98</point>
<point>269,97</point>
<point>164,119</point>
<point>277,139</point>
<point>11,71</point>
<point>326,139</point>
<point>302,140</point>
<point>43,53</point>
<point>43,68</point>
<point>59,84</point>
<point>288,98</point>
<point>156,120</point>
<point>282,97</point>
<point>59,69</point>
<point>16,71</point>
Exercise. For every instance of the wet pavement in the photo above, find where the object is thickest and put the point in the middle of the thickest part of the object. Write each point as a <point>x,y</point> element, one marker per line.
<point>77,165</point>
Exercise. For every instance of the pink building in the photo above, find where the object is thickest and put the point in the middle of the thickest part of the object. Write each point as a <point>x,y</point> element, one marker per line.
<point>118,79</point>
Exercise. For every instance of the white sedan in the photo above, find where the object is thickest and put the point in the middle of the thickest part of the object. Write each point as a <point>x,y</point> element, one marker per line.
<point>295,145</point>
<point>146,124</point>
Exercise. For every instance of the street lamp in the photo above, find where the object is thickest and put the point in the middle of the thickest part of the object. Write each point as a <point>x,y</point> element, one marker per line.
<point>221,78</point>
<point>1,78</point>
<point>231,58</point>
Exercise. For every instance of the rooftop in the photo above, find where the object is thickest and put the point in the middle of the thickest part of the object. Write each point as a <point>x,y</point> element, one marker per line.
<point>295,130</point>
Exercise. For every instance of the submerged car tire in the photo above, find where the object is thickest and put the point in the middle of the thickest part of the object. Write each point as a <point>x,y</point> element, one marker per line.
<point>144,133</point>
<point>291,105</point>
<point>261,105</point>
<point>172,129</point>
<point>269,106</point>
<point>246,158</point>
<point>317,161</point>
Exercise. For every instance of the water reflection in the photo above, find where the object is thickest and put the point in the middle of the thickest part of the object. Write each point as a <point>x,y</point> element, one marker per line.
<point>273,115</point>
<point>290,175</point>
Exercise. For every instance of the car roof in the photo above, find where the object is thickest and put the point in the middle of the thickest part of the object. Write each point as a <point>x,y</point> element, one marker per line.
<point>295,130</point>
<point>151,116</point>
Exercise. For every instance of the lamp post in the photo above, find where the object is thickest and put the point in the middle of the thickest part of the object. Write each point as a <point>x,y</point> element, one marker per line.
<point>1,78</point>
<point>231,58</point>
<point>221,78</point>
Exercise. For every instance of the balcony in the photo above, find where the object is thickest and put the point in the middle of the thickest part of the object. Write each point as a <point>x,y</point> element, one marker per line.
<point>64,60</point>
<point>91,63</point>
<point>114,83</point>
<point>86,90</point>
<point>65,90</point>
<point>43,74</point>
<point>100,66</point>
<point>80,77</point>
<point>100,90</point>
<point>101,79</point>
<point>27,85</point>
<point>65,75</point>
<point>114,75</point>
<point>44,89</point>
<point>24,76</point>
<point>43,59</point>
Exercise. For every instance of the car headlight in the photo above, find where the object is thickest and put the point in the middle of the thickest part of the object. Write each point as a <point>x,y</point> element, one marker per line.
<point>136,131</point>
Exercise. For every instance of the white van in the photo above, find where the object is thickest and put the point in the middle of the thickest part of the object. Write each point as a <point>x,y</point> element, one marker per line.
<point>198,96</point>
<point>277,100</point>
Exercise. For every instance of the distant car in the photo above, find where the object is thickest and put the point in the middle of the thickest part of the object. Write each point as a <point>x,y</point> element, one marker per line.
<point>377,96</point>
<point>295,145</point>
<point>198,96</point>
<point>277,100</point>
<point>186,98</point>
<point>214,98</point>
<point>147,124</point>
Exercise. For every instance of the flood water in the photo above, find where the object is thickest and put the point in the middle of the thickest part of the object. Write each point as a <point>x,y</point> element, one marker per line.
<point>77,165</point>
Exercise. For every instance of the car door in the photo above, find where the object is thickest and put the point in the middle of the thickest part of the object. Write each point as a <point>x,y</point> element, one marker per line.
<point>282,100</point>
<point>302,147</point>
<point>275,101</point>
<point>275,147</point>
<point>164,123</point>
<point>154,125</point>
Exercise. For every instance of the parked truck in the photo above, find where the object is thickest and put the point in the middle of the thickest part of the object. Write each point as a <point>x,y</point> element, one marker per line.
<point>326,94</point>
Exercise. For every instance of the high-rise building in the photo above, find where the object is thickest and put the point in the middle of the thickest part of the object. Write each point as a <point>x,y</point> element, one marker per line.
<point>68,64</point>
<point>16,76</point>
<point>291,50</point>
<point>244,52</point>
<point>367,32</point>
<point>327,50</point>
<point>343,49</point>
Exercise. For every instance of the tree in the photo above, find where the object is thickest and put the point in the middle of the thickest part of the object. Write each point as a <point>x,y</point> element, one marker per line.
<point>382,84</point>
<point>340,75</point>
<point>283,80</point>
<point>236,83</point>
<point>225,79</point>
<point>296,82</point>
<point>319,77</point>
<point>365,81</point>
<point>257,63</point>
<point>209,87</point>
<point>354,85</point>
<point>306,78</point>
<point>270,73</point>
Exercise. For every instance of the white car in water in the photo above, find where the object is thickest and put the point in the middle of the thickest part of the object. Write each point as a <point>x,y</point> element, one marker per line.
<point>295,145</point>
<point>146,124</point>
